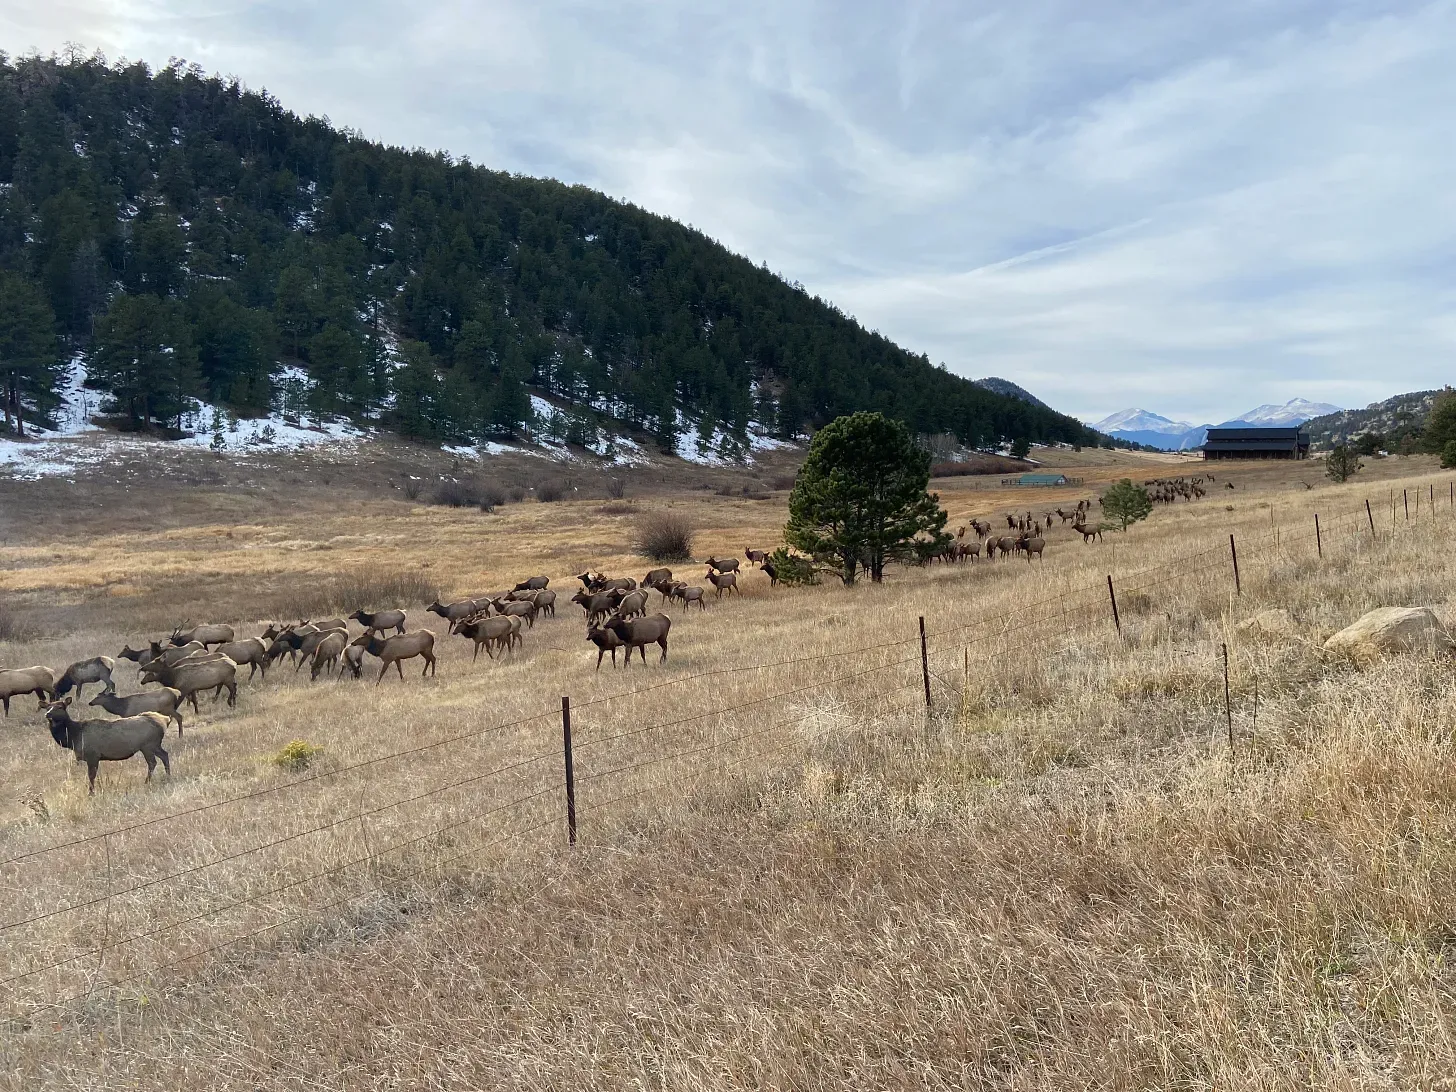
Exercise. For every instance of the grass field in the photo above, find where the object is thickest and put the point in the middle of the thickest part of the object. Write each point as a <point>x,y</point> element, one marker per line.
<point>788,875</point>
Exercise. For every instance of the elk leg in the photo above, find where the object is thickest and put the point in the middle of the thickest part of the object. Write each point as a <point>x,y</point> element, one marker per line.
<point>166,759</point>
<point>6,700</point>
<point>151,766</point>
<point>663,643</point>
<point>91,777</point>
<point>399,668</point>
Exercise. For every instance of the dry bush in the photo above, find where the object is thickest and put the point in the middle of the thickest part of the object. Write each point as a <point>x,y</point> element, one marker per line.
<point>782,482</point>
<point>373,587</point>
<point>412,487</point>
<point>665,536</point>
<point>468,493</point>
<point>12,628</point>
<point>517,493</point>
<point>549,492</point>
<point>623,508</point>
<point>616,488</point>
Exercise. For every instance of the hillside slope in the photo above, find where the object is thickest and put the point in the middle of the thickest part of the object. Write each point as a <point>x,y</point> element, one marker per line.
<point>1395,420</point>
<point>188,235</point>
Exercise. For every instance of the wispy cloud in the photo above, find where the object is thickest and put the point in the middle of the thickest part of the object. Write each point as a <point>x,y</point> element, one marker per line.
<point>1192,208</point>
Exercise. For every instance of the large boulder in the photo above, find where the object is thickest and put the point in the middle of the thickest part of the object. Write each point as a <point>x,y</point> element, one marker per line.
<point>1391,629</point>
<point>1269,623</point>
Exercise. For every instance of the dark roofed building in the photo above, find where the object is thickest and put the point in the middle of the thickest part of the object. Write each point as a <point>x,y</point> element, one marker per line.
<point>1256,443</point>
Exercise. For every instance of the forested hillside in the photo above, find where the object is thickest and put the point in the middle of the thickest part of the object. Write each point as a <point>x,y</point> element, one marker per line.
<point>189,238</point>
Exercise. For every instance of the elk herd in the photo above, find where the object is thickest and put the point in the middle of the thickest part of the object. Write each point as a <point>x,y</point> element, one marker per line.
<point>1026,534</point>
<point>193,661</point>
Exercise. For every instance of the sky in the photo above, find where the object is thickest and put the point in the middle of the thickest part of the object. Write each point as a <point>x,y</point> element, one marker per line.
<point>1193,208</point>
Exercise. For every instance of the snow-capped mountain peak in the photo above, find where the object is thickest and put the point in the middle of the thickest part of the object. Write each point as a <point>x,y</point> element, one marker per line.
<point>1294,412</point>
<point>1140,420</point>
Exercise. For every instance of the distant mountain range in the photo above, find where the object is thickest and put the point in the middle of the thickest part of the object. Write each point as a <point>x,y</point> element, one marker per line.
<point>1154,430</point>
<point>997,385</point>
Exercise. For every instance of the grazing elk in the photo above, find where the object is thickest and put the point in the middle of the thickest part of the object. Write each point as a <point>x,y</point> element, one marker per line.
<point>520,608</point>
<point>379,621</point>
<point>727,565</point>
<point>596,604</point>
<point>723,582</point>
<point>40,681</point>
<point>192,677</point>
<point>638,633</point>
<point>327,652</point>
<point>655,578</point>
<point>406,646</point>
<point>203,635</point>
<point>311,642</point>
<point>163,700</point>
<point>633,603</point>
<point>688,595</point>
<point>96,669</point>
<point>489,633</point>
<point>545,601</point>
<point>533,583</point>
<point>456,611</point>
<point>96,741</point>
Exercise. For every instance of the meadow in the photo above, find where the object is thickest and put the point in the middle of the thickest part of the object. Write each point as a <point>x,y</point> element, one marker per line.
<point>788,873</point>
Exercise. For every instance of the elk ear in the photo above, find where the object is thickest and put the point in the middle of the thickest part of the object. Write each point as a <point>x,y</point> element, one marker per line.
<point>66,702</point>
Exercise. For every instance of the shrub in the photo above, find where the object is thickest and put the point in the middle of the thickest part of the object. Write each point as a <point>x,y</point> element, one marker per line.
<point>296,756</point>
<point>1126,503</point>
<point>616,488</point>
<point>783,481</point>
<point>549,492</point>
<point>726,489</point>
<point>618,508</point>
<point>792,568</point>
<point>1341,464</point>
<point>360,588</point>
<point>469,493</point>
<point>11,627</point>
<point>413,487</point>
<point>665,536</point>
<point>1448,455</point>
<point>518,493</point>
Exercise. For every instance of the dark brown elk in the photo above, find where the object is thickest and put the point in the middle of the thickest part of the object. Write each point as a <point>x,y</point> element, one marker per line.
<point>96,669</point>
<point>191,678</point>
<point>489,633</point>
<point>454,612</point>
<point>379,621</point>
<point>1006,544</point>
<point>655,578</point>
<point>688,595</point>
<point>1034,547</point>
<point>758,557</point>
<point>533,583</point>
<point>204,635</point>
<point>970,550</point>
<point>606,640</point>
<point>773,572</point>
<point>723,582</point>
<point>633,603</point>
<point>40,681</point>
<point>288,642</point>
<point>545,601</point>
<point>638,633</point>
<point>163,700</point>
<point>394,650</point>
<point>727,565</point>
<point>1089,532</point>
<point>96,741</point>
<point>251,651</point>
<point>326,654</point>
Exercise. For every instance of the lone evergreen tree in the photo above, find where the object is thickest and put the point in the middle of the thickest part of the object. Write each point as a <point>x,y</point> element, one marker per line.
<point>1020,447</point>
<point>1342,463</point>
<point>29,359</point>
<point>1127,503</point>
<point>860,498</point>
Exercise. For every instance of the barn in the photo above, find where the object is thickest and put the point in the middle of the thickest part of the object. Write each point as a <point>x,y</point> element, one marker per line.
<point>1256,443</point>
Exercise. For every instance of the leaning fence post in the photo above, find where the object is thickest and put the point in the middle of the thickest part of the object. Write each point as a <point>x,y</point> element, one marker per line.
<point>1405,499</point>
<point>1371,516</point>
<point>570,771</point>
<point>925,662</point>
<point>1234,553</point>
<point>1112,595</point>
<point>1228,708</point>
<point>1318,542</point>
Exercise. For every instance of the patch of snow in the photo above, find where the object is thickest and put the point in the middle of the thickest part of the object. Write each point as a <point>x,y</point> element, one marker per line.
<point>73,416</point>
<point>761,441</point>
<point>719,449</point>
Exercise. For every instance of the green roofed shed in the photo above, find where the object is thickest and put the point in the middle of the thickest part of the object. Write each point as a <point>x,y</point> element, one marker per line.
<point>1042,479</point>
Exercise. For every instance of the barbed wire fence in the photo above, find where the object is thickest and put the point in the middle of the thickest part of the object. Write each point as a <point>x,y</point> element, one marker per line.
<point>105,945</point>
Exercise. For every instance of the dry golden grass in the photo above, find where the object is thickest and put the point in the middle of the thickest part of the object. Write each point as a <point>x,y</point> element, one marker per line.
<point>1062,879</point>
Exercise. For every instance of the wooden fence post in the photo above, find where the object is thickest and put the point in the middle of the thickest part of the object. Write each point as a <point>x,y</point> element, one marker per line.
<point>1228,708</point>
<point>570,771</point>
<point>925,663</point>
<point>1116,621</point>
<point>1318,542</point>
<point>1405,499</point>
<point>1234,553</point>
<point>1370,516</point>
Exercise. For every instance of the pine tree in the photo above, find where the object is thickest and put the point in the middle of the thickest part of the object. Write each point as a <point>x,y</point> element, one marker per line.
<point>1127,503</point>
<point>29,353</point>
<point>145,358</point>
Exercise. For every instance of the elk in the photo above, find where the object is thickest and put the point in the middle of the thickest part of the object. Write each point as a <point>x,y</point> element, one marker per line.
<point>758,557</point>
<point>971,550</point>
<point>633,603</point>
<point>96,741</point>
<point>1089,533</point>
<point>251,651</point>
<point>406,646</point>
<point>689,595</point>
<point>456,611</point>
<point>641,632</point>
<point>203,635</point>
<point>520,608</point>
<point>545,601</point>
<point>596,604</point>
<point>533,583</point>
<point>723,582</point>
<point>729,565</point>
<point>490,633</point>
<point>96,669</point>
<point>1006,544</point>
<point>773,572</point>
<point>40,681</point>
<point>192,677</point>
<point>327,652</point>
<point>606,640</point>
<point>310,644</point>
<point>1034,545</point>
<point>655,578</point>
<point>379,621</point>
<point>164,700</point>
